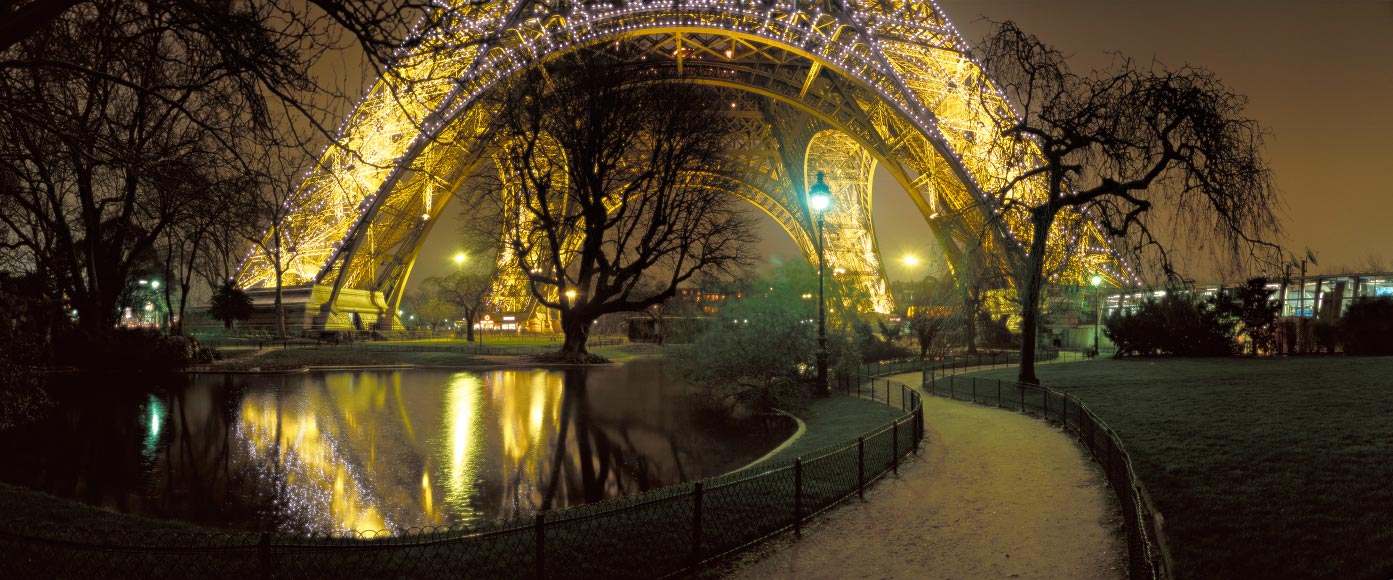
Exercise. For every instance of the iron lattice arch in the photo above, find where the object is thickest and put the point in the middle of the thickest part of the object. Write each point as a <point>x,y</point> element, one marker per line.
<point>840,88</point>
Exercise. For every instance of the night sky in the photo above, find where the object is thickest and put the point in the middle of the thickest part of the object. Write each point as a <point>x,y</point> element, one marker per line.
<point>1319,76</point>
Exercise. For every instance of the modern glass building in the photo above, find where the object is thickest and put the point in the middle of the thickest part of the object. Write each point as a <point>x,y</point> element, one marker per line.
<point>1323,297</point>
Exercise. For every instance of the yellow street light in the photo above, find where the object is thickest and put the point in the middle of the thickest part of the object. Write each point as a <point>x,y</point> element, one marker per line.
<point>460,258</point>
<point>571,295</point>
<point>911,260</point>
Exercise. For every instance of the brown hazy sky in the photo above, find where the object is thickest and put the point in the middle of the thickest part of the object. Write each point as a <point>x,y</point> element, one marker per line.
<point>1319,76</point>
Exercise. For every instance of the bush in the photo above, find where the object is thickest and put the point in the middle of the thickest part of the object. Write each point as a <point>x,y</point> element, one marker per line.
<point>22,394</point>
<point>874,347</point>
<point>1172,325</point>
<point>129,350</point>
<point>1367,327</point>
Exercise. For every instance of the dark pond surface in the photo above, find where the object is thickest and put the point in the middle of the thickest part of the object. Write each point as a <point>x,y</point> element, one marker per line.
<point>371,450</point>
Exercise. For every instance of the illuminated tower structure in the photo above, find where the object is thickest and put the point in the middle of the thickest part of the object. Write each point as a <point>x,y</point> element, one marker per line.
<point>838,87</point>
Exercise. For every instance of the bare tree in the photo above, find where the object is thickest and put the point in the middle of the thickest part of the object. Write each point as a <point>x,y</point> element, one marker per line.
<point>598,191</point>
<point>1121,144</point>
<point>932,315</point>
<point>466,291</point>
<point>111,109</point>
<point>102,171</point>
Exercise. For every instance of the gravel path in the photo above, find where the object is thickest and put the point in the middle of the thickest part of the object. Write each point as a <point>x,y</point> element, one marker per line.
<point>993,494</point>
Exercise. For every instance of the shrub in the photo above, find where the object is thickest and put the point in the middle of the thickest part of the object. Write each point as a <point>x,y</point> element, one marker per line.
<point>874,347</point>
<point>22,394</point>
<point>1173,325</point>
<point>230,303</point>
<point>1256,314</point>
<point>129,350</point>
<point>1367,326</point>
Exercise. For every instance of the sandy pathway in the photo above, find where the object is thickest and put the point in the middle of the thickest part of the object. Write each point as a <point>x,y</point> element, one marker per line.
<point>993,494</point>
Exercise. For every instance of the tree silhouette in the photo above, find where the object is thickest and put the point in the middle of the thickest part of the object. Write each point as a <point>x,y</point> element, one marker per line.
<point>1154,155</point>
<point>596,191</point>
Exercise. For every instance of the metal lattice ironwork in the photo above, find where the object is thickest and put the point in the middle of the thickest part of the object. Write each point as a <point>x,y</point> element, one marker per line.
<point>835,87</point>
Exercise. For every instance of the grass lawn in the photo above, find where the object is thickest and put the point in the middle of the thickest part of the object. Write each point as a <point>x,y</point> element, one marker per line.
<point>1263,468</point>
<point>836,419</point>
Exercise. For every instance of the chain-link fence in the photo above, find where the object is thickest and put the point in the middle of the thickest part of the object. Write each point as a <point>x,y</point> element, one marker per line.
<point>650,535</point>
<point>1147,554</point>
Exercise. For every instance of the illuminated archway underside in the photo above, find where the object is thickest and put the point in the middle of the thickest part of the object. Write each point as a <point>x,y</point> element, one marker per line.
<point>823,89</point>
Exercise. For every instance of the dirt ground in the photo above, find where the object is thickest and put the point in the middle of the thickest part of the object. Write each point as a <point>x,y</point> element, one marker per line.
<point>993,494</point>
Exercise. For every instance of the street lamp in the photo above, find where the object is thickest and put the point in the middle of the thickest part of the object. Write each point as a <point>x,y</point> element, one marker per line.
<point>460,257</point>
<point>819,200</point>
<point>1098,305</point>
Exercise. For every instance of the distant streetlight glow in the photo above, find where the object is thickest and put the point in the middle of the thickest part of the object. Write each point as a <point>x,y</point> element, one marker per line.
<point>460,258</point>
<point>911,260</point>
<point>571,295</point>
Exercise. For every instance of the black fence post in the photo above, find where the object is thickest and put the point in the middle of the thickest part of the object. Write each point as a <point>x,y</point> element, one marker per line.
<point>974,390</point>
<point>263,549</point>
<point>696,524</point>
<point>1021,388</point>
<point>861,467</point>
<point>998,394</point>
<point>539,532</point>
<point>895,447</point>
<point>951,394</point>
<point>798,495</point>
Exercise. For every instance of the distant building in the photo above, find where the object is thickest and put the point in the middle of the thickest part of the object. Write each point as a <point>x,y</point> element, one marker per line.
<point>694,300</point>
<point>1323,297</point>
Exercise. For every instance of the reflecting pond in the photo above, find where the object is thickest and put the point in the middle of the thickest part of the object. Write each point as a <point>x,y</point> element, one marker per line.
<point>371,450</point>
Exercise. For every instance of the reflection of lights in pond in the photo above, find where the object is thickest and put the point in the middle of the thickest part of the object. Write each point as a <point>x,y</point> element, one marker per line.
<point>464,429</point>
<point>322,487</point>
<point>155,408</point>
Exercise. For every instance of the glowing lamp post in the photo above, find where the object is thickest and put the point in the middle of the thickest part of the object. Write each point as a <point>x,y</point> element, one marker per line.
<point>819,200</point>
<point>1098,305</point>
<point>459,260</point>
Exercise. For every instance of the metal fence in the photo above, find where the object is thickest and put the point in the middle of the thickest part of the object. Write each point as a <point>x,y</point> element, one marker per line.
<point>1147,554</point>
<point>655,534</point>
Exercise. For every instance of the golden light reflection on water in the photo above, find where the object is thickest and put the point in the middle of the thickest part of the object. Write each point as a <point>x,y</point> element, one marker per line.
<point>528,410</point>
<point>465,431</point>
<point>373,451</point>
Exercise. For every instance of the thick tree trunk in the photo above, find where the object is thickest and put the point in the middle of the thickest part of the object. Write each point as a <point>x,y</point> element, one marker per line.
<point>1030,301</point>
<point>577,333</point>
<point>469,328</point>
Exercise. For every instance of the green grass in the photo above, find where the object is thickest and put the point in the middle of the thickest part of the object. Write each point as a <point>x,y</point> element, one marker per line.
<point>836,419</point>
<point>1266,468</point>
